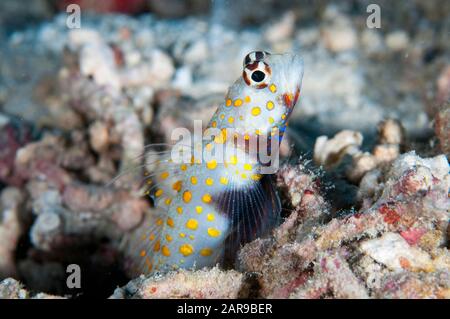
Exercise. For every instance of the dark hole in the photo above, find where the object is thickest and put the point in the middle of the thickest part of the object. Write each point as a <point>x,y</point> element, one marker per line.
<point>258,76</point>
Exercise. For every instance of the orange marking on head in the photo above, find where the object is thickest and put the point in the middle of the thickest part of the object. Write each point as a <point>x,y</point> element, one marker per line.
<point>288,99</point>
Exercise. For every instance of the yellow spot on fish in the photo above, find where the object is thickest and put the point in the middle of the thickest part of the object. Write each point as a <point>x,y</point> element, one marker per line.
<point>187,196</point>
<point>157,246</point>
<point>212,164</point>
<point>283,116</point>
<point>224,180</point>
<point>258,132</point>
<point>192,224</point>
<point>238,102</point>
<point>256,177</point>
<point>177,185</point>
<point>214,124</point>
<point>210,217</point>
<point>248,167</point>
<point>270,105</point>
<point>182,235</point>
<point>206,198</point>
<point>244,176</point>
<point>164,175</point>
<point>206,252</point>
<point>143,253</point>
<point>186,249</point>
<point>222,137</point>
<point>273,88</point>
<point>165,251</point>
<point>256,111</point>
<point>169,238</point>
<point>247,99</point>
<point>213,232</point>
<point>159,192</point>
<point>170,222</point>
<point>183,167</point>
<point>222,116</point>
<point>149,264</point>
<point>233,160</point>
<point>193,180</point>
<point>179,209</point>
<point>168,201</point>
<point>191,237</point>
<point>151,237</point>
<point>159,222</point>
<point>209,181</point>
<point>228,102</point>
<point>198,209</point>
<point>271,120</point>
<point>231,120</point>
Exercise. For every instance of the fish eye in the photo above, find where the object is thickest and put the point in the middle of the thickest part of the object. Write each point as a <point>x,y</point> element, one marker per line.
<point>258,76</point>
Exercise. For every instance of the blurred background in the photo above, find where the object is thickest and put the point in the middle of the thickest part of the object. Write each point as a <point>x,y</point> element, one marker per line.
<point>78,105</point>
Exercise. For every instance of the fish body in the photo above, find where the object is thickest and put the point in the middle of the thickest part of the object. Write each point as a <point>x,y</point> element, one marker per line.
<point>219,199</point>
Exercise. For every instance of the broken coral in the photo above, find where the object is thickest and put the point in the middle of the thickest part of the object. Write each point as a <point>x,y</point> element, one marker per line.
<point>411,216</point>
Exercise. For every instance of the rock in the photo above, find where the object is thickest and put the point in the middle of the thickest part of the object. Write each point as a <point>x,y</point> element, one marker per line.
<point>338,34</point>
<point>11,228</point>
<point>156,73</point>
<point>397,40</point>
<point>282,29</point>
<point>183,78</point>
<point>362,163</point>
<point>372,41</point>
<point>442,127</point>
<point>414,220</point>
<point>443,86</point>
<point>329,152</point>
<point>77,38</point>
<point>201,284</point>
<point>415,286</point>
<point>12,289</point>
<point>97,61</point>
<point>99,136</point>
<point>390,132</point>
<point>393,251</point>
<point>12,138</point>
<point>196,53</point>
<point>340,38</point>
